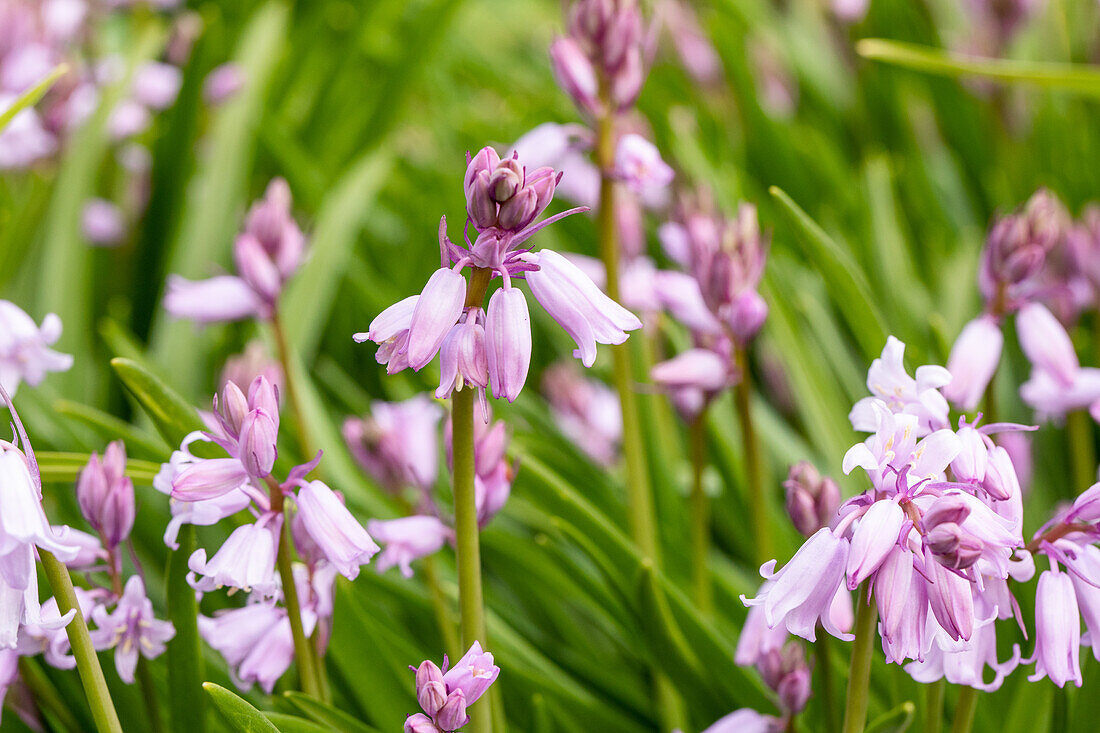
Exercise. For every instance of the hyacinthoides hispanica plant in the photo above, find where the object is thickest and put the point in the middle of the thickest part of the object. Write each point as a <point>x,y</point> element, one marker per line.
<point>489,346</point>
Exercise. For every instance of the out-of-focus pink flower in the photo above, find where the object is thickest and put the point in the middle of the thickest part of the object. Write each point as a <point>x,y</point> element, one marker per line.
<point>586,410</point>
<point>639,164</point>
<point>746,720</point>
<point>25,140</point>
<point>253,362</point>
<point>222,298</point>
<point>850,11</point>
<point>255,640</point>
<point>973,360</point>
<point>156,84</point>
<point>25,355</point>
<point>398,442</point>
<point>696,52</point>
<point>223,83</point>
<point>407,539</point>
<point>102,223</point>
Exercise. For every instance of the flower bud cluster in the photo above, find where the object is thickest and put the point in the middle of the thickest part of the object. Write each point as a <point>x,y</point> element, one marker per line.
<point>444,694</point>
<point>602,54</point>
<point>812,499</point>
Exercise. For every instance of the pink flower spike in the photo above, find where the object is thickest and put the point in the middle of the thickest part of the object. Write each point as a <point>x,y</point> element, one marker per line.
<point>973,360</point>
<point>508,342</point>
<point>434,314</point>
<point>341,538</point>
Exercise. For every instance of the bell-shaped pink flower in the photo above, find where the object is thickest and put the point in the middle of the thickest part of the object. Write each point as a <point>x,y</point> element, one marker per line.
<point>805,587</point>
<point>1057,631</point>
<point>246,560</point>
<point>255,640</point>
<point>407,539</point>
<point>473,674</point>
<point>462,358</point>
<point>876,533</point>
<point>973,360</point>
<point>574,301</point>
<point>25,355</point>
<point>341,538</point>
<point>208,479</point>
<point>1046,343</point>
<point>435,312</point>
<point>398,442</point>
<point>508,342</point>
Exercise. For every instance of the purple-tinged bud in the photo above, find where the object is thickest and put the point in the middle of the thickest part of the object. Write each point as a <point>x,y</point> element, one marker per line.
<point>951,509</point>
<point>254,361</point>
<point>420,723</point>
<point>973,457</point>
<point>431,696</point>
<point>262,395</point>
<point>622,36</point>
<point>106,495</point>
<point>747,315</point>
<point>222,83</point>
<point>794,690</point>
<point>479,202</point>
<point>256,268</point>
<point>428,671</point>
<point>505,180</point>
<point>575,74</point>
<point>812,499</point>
<point>952,546</point>
<point>485,161</point>
<point>437,310</point>
<point>257,444</point>
<point>626,83</point>
<point>1018,243</point>
<point>452,715</point>
<point>518,211</point>
<point>1001,481</point>
<point>508,342</point>
<point>543,181</point>
<point>231,409</point>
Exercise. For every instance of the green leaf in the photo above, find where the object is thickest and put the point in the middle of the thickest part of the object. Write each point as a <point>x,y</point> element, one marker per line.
<point>64,467</point>
<point>185,663</point>
<point>324,713</point>
<point>293,724</point>
<point>173,416</point>
<point>110,427</point>
<point>1077,78</point>
<point>844,279</point>
<point>30,97</point>
<point>237,712</point>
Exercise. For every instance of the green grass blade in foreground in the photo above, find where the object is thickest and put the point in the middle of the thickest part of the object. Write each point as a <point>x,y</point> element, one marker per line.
<point>65,467</point>
<point>185,663</point>
<point>325,714</point>
<point>237,712</point>
<point>1076,78</point>
<point>106,425</point>
<point>30,97</point>
<point>842,275</point>
<point>171,414</point>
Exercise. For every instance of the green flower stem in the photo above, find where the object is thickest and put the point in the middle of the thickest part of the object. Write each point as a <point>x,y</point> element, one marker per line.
<point>290,377</point>
<point>467,538</point>
<point>964,710</point>
<point>304,652</point>
<point>828,684</point>
<point>639,496</point>
<point>91,675</point>
<point>933,706</point>
<point>45,694</point>
<point>700,518</point>
<point>859,673</point>
<point>1082,454</point>
<point>758,504</point>
<point>443,615</point>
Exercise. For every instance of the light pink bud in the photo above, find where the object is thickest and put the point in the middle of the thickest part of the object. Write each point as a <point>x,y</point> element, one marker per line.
<point>518,211</point>
<point>812,500</point>
<point>627,81</point>
<point>431,696</point>
<point>222,83</point>
<point>257,444</point>
<point>508,342</point>
<point>485,161</point>
<point>231,409</point>
<point>505,180</point>
<point>543,181</point>
<point>106,495</point>
<point>256,267</point>
<point>262,395</point>
<point>479,202</point>
<point>437,310</point>
<point>747,315</point>
<point>428,671</point>
<point>452,715</point>
<point>420,723</point>
<point>575,74</point>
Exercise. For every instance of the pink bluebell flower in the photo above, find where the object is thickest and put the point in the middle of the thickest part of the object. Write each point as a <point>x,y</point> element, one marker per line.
<point>341,539</point>
<point>444,694</point>
<point>130,629</point>
<point>398,444</point>
<point>586,411</point>
<point>407,539</point>
<point>25,353</point>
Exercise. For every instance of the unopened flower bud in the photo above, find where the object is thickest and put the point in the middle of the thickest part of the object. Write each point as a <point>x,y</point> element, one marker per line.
<point>542,181</point>
<point>794,690</point>
<point>505,180</point>
<point>262,395</point>
<point>257,444</point>
<point>106,495</point>
<point>257,268</point>
<point>747,315</point>
<point>945,510</point>
<point>518,211</point>
<point>452,715</point>
<point>485,161</point>
<point>479,202</point>
<point>626,84</point>
<point>952,546</point>
<point>420,723</point>
<point>575,74</point>
<point>812,500</point>
<point>431,697</point>
<point>428,671</point>
<point>231,409</point>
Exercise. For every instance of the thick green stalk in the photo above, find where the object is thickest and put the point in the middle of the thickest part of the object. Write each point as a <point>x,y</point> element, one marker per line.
<point>758,504</point>
<point>933,706</point>
<point>91,675</point>
<point>828,686</point>
<point>303,650</point>
<point>859,673</point>
<point>467,538</point>
<point>964,710</point>
<point>639,497</point>
<point>700,518</point>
